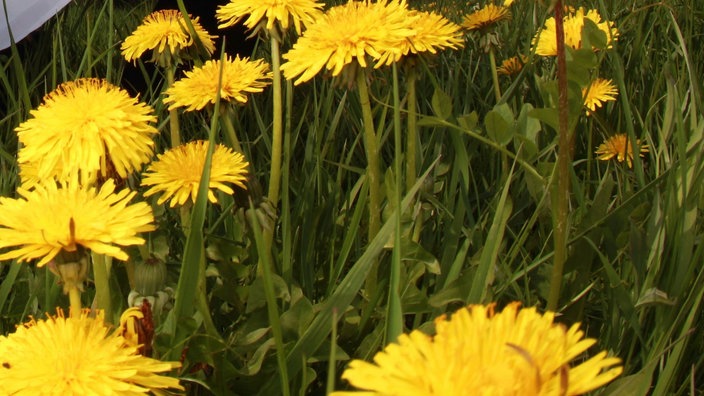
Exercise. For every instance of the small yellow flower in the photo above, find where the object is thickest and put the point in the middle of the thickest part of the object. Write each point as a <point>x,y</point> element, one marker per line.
<point>546,44</point>
<point>620,147</point>
<point>283,12</point>
<point>176,174</point>
<point>486,17</point>
<point>81,126</point>
<point>477,351</point>
<point>240,76</point>
<point>166,34</point>
<point>601,90</point>
<point>77,355</point>
<point>49,219</point>
<point>512,66</point>
<point>348,34</point>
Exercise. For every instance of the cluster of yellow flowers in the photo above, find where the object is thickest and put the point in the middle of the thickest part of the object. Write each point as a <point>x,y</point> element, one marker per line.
<point>68,201</point>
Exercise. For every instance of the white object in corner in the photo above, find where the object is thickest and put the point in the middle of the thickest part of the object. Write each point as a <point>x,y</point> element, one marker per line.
<point>24,17</point>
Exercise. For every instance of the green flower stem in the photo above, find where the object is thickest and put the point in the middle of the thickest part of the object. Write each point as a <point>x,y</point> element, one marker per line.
<point>394,319</point>
<point>494,74</point>
<point>101,277</point>
<point>412,135</point>
<point>371,145</point>
<point>276,139</point>
<point>564,159</point>
<point>230,129</point>
<point>277,126</point>
<point>173,114</point>
<point>74,297</point>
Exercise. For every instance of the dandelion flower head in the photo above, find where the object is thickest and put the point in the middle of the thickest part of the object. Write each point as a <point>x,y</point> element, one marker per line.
<point>240,77</point>
<point>283,12</point>
<point>77,356</point>
<point>486,17</point>
<point>512,65</point>
<point>50,218</point>
<point>433,32</point>
<point>599,91</point>
<point>349,33</point>
<point>546,44</point>
<point>166,33</point>
<point>176,174</point>
<point>83,124</point>
<point>479,352</point>
<point>619,147</point>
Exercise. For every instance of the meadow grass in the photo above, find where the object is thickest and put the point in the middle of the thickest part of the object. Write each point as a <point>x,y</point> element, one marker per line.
<point>474,225</point>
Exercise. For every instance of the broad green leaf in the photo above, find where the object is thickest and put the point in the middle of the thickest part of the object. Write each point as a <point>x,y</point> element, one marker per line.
<point>499,124</point>
<point>442,104</point>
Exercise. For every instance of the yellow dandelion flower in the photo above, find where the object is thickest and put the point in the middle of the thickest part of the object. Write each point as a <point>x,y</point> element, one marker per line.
<point>176,174</point>
<point>349,33</point>
<point>546,45</point>
<point>164,30</point>
<point>240,76</point>
<point>620,147</point>
<point>599,91</point>
<point>283,12</point>
<point>50,218</point>
<point>77,356</point>
<point>433,32</point>
<point>486,17</point>
<point>475,351</point>
<point>512,66</point>
<point>82,125</point>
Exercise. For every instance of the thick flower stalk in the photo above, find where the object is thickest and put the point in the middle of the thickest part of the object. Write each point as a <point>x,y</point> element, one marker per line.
<point>176,173</point>
<point>79,355</point>
<point>86,127</point>
<point>477,351</point>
